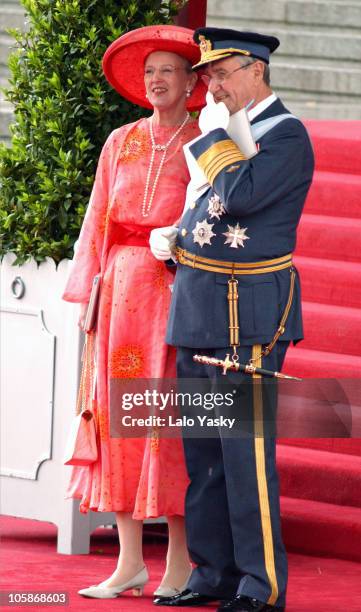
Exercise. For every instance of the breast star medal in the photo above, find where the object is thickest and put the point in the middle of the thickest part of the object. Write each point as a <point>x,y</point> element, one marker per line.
<point>215,208</point>
<point>202,232</point>
<point>235,236</point>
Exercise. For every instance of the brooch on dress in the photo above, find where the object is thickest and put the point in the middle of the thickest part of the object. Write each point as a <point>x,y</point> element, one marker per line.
<point>235,236</point>
<point>202,232</point>
<point>215,208</point>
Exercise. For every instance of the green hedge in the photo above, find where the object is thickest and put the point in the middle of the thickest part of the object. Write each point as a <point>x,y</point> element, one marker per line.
<point>64,110</point>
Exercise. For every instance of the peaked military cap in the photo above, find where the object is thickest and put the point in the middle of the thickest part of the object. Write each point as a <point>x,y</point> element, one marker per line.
<point>218,43</point>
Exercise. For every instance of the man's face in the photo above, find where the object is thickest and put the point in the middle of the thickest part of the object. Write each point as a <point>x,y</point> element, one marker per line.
<point>232,84</point>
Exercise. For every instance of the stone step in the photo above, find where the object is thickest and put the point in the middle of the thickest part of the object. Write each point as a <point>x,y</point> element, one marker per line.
<point>7,45</point>
<point>314,109</point>
<point>329,46</point>
<point>309,76</point>
<point>3,84</point>
<point>321,97</point>
<point>11,16</point>
<point>263,25</point>
<point>322,13</point>
<point>5,141</point>
<point>6,116</point>
<point>301,42</point>
<point>4,72</point>
<point>320,62</point>
<point>317,69</point>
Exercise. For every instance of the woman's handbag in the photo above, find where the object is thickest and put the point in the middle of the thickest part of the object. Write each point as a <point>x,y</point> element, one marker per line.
<point>92,310</point>
<point>81,447</point>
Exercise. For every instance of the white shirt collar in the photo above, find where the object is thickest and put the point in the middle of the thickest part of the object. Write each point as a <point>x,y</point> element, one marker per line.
<point>261,106</point>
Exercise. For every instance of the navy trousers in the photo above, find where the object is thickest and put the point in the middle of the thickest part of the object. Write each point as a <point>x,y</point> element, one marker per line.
<point>232,503</point>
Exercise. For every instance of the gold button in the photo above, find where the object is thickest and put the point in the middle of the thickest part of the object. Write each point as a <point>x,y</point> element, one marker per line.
<point>184,232</point>
<point>193,205</point>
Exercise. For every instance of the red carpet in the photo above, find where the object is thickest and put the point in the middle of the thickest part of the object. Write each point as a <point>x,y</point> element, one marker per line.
<point>30,562</point>
<point>337,145</point>
<point>321,478</point>
<point>328,256</point>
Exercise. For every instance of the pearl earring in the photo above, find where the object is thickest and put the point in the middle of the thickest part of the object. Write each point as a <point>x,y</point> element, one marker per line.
<point>146,95</point>
<point>188,93</point>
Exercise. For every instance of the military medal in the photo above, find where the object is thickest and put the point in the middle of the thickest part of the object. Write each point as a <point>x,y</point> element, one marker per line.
<point>235,236</point>
<point>215,208</point>
<point>203,232</point>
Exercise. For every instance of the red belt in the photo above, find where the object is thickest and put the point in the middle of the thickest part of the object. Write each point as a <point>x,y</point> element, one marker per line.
<point>132,235</point>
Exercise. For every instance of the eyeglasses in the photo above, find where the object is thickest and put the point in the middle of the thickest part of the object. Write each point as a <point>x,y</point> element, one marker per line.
<point>164,71</point>
<point>220,78</point>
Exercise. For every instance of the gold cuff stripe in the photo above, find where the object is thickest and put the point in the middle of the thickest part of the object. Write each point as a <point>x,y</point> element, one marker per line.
<point>262,478</point>
<point>222,157</point>
<point>223,164</point>
<point>218,156</point>
<point>225,159</point>
<point>222,146</point>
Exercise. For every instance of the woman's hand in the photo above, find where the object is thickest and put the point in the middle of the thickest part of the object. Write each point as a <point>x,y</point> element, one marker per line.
<point>82,315</point>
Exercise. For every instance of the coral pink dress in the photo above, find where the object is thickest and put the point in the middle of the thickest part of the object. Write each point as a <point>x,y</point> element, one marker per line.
<point>144,476</point>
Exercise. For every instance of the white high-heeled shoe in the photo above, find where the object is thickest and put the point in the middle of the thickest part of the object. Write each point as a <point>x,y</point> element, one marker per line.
<point>171,591</point>
<point>137,583</point>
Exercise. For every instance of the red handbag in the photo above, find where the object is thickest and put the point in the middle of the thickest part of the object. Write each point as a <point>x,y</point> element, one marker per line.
<point>81,448</point>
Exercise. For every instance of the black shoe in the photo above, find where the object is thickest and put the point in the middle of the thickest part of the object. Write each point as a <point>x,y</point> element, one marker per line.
<point>184,599</point>
<point>241,603</point>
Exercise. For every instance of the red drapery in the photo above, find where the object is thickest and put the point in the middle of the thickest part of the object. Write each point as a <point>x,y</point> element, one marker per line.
<point>193,15</point>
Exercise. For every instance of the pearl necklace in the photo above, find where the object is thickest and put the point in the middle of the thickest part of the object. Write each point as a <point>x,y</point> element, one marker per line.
<point>157,147</point>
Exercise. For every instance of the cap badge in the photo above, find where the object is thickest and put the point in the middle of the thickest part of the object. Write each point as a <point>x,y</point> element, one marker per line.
<point>205,45</point>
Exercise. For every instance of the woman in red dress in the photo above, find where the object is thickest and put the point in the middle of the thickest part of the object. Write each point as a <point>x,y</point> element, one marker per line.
<point>138,186</point>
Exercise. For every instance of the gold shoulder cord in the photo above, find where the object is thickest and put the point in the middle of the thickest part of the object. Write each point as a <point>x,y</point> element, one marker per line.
<point>234,321</point>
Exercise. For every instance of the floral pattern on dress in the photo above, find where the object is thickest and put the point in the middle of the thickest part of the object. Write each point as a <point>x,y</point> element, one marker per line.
<point>127,362</point>
<point>145,476</point>
<point>136,145</point>
<point>160,278</point>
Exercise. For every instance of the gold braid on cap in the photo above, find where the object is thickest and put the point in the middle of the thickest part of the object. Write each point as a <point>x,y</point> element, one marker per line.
<point>212,55</point>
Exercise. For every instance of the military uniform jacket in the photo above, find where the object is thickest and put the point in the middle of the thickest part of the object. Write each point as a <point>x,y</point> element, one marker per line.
<point>249,214</point>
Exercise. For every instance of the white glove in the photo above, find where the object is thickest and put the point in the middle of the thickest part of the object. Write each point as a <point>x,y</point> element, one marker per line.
<point>162,242</point>
<point>213,115</point>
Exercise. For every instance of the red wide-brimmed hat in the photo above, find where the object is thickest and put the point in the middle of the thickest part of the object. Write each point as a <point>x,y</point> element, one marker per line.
<point>123,61</point>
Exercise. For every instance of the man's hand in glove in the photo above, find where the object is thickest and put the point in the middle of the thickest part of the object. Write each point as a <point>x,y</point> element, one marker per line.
<point>213,115</point>
<point>162,242</point>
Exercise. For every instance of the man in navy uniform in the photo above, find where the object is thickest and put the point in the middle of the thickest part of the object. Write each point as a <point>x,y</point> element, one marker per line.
<point>237,292</point>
